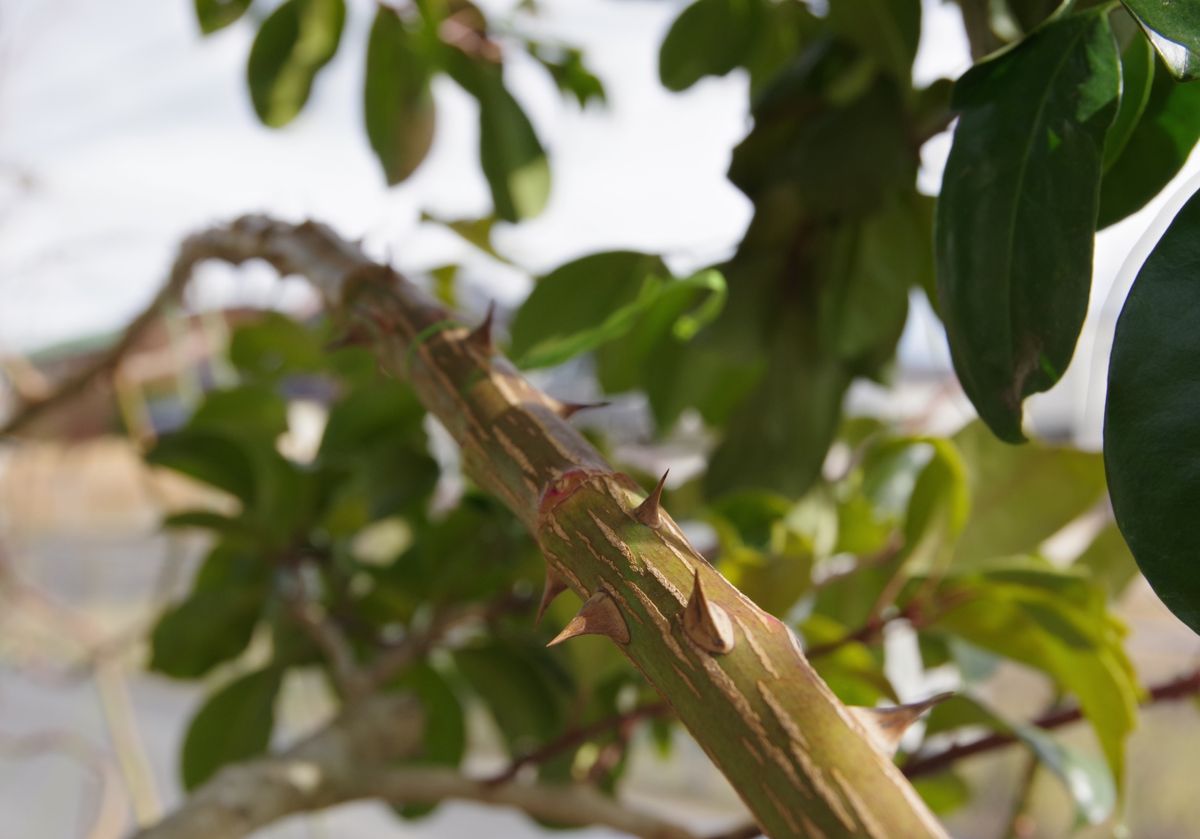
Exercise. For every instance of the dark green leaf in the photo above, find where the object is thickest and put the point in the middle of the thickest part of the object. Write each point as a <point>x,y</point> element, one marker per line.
<point>445,732</point>
<point>215,622</point>
<point>217,14</point>
<point>276,345</point>
<point>1151,433</point>
<point>293,44</point>
<point>1156,150</point>
<point>1174,29</point>
<point>569,72</point>
<point>517,690</point>
<point>1137,80</point>
<point>709,38</point>
<point>1021,496</point>
<point>512,157</point>
<point>398,106</point>
<point>233,724</point>
<point>210,457</point>
<point>582,304</point>
<point>1017,211</point>
<point>887,30</point>
<point>251,411</point>
<point>778,437</point>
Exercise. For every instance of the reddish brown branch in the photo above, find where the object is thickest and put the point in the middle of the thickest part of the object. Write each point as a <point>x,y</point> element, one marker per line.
<point>577,737</point>
<point>1181,687</point>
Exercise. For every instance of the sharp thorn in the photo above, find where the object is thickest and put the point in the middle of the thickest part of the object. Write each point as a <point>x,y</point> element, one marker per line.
<point>887,725</point>
<point>706,623</point>
<point>649,512</point>
<point>566,410</point>
<point>555,585</point>
<point>481,336</point>
<point>598,616</point>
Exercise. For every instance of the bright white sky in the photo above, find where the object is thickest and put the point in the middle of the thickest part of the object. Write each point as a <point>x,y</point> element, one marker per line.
<point>121,130</point>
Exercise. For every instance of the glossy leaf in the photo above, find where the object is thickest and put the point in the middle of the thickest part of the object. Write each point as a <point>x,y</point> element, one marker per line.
<point>709,38</point>
<point>1017,211</point>
<point>217,14</point>
<point>293,44</point>
<point>398,101</point>
<point>1174,29</point>
<point>1021,496</point>
<point>1156,150</point>
<point>1151,437</point>
<point>214,623</point>
<point>234,723</point>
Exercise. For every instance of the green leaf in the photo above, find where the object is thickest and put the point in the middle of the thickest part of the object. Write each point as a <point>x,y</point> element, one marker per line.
<point>216,620</point>
<point>249,411</point>
<point>583,304</point>
<point>1156,150</point>
<point>887,30</point>
<point>398,101</point>
<point>1017,211</point>
<point>866,279</point>
<point>1087,780</point>
<point>943,792</point>
<point>217,14</point>
<point>208,456</point>
<point>276,345</point>
<point>1021,496</point>
<point>1174,29</point>
<point>1151,436</point>
<point>293,44</point>
<point>709,38</point>
<point>233,724</point>
<point>445,732</point>
<point>512,157</point>
<point>1109,561</point>
<point>1056,622</point>
<point>566,67</point>
<point>769,545</point>
<point>516,688</point>
<point>778,437</point>
<point>1137,80</point>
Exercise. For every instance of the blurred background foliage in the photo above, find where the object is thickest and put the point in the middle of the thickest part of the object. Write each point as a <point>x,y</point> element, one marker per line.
<point>903,560</point>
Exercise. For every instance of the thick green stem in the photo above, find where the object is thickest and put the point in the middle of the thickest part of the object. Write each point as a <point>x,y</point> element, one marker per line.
<point>803,764</point>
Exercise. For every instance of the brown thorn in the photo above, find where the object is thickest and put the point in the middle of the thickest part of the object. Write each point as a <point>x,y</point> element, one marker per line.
<point>599,615</point>
<point>706,623</point>
<point>887,725</point>
<point>555,585</point>
<point>481,336</point>
<point>649,512</point>
<point>566,410</point>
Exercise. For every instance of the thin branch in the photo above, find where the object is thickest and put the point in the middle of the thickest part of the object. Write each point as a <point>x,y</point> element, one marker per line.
<point>107,362</point>
<point>327,635</point>
<point>577,737</point>
<point>354,758</point>
<point>396,659</point>
<point>1181,687</point>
